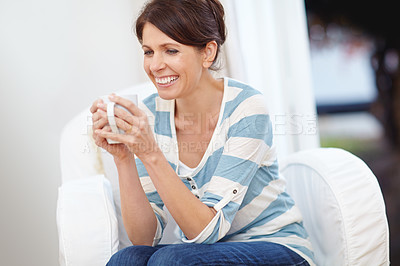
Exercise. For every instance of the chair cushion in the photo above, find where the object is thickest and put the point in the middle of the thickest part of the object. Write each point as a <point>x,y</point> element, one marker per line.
<point>86,221</point>
<point>342,206</point>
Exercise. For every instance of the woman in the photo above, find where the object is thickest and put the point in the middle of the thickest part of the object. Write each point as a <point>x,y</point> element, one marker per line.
<point>203,148</point>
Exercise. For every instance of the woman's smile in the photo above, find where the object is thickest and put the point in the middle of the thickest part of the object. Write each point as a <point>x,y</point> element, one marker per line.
<point>166,81</point>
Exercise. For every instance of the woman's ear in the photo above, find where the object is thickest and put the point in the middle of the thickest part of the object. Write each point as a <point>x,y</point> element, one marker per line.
<point>210,51</point>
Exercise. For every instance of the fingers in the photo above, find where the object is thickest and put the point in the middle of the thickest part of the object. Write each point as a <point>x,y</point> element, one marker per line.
<point>94,106</point>
<point>103,133</point>
<point>124,115</point>
<point>99,119</point>
<point>118,113</point>
<point>124,120</point>
<point>122,124</point>
<point>99,103</point>
<point>127,104</point>
<point>99,140</point>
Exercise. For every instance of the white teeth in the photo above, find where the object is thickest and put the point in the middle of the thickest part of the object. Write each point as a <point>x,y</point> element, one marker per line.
<point>166,80</point>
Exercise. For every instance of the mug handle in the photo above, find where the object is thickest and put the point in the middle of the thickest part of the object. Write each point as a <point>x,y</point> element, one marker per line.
<point>111,117</point>
<point>111,121</point>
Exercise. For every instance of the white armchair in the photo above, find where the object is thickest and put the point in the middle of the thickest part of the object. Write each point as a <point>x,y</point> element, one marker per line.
<point>340,199</point>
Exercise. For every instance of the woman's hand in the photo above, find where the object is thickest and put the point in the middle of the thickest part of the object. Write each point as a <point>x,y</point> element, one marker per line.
<point>100,122</point>
<point>138,136</point>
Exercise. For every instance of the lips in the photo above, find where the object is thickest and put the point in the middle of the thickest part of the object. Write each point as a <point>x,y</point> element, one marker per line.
<point>167,80</point>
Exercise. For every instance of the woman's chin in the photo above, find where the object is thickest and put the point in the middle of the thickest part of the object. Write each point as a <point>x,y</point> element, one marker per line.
<point>166,95</point>
<point>167,92</point>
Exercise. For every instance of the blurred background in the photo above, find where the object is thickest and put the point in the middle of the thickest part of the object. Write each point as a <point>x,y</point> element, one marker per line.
<point>56,57</point>
<point>355,48</point>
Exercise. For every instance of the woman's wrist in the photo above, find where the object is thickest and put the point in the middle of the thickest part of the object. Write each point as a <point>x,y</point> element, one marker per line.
<point>152,157</point>
<point>124,159</point>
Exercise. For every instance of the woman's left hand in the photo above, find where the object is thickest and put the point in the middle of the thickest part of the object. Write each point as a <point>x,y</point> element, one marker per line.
<point>138,136</point>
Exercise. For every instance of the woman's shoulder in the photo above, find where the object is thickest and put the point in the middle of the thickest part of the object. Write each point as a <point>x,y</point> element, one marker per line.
<point>234,83</point>
<point>244,96</point>
<point>154,103</point>
<point>148,104</point>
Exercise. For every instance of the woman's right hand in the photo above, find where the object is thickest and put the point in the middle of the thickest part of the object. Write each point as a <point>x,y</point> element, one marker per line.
<point>100,121</point>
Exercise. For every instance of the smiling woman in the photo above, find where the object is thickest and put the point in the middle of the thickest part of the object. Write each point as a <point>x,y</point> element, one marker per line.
<point>209,158</point>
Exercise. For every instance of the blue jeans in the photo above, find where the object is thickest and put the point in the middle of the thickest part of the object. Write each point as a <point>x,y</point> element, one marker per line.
<point>220,253</point>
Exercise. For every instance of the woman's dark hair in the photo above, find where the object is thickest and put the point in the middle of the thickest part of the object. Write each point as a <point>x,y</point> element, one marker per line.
<point>189,22</point>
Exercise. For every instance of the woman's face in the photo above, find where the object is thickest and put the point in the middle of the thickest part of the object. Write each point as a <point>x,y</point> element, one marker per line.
<point>174,68</point>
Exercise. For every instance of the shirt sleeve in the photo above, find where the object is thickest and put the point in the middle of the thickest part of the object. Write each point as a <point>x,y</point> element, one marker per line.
<point>154,199</point>
<point>249,141</point>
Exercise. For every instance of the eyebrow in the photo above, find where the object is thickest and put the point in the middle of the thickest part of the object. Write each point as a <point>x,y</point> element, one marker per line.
<point>162,45</point>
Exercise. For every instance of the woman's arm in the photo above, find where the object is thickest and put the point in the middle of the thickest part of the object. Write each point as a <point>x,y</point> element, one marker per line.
<point>138,216</point>
<point>189,212</point>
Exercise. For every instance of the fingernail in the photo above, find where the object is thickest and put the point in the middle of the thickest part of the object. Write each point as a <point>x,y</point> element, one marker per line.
<point>100,105</point>
<point>111,96</point>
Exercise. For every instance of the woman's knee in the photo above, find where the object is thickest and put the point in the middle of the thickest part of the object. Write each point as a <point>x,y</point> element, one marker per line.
<point>133,255</point>
<point>178,254</point>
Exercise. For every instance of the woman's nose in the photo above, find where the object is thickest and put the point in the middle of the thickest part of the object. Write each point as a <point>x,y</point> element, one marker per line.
<point>157,63</point>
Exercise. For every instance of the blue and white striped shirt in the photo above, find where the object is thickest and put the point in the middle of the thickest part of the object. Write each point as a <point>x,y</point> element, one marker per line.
<point>237,176</point>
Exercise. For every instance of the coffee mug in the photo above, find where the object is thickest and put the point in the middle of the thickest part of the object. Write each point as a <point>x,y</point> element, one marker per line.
<point>111,115</point>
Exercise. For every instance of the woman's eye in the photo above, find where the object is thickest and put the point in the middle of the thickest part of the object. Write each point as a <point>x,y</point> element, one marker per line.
<point>172,51</point>
<point>148,52</point>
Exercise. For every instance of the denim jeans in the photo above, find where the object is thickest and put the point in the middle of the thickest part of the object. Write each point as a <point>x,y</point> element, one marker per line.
<point>220,253</point>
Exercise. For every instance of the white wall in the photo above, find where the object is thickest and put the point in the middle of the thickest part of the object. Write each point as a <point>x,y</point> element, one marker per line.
<point>55,57</point>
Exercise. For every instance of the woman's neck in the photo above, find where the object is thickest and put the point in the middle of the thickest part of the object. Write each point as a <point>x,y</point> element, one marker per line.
<point>205,101</point>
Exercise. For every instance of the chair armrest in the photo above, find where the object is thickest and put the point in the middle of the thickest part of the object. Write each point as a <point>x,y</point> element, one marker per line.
<point>342,206</point>
<point>86,222</point>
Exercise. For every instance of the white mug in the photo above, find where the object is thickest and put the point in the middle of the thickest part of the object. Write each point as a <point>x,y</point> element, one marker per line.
<point>110,113</point>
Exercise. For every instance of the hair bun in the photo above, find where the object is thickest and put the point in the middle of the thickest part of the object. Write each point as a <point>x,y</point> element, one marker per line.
<point>219,15</point>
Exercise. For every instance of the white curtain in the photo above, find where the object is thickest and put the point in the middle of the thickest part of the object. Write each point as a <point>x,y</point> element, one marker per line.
<point>267,47</point>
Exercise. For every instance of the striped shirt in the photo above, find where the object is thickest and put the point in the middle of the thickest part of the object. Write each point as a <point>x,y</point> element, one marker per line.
<point>237,176</point>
